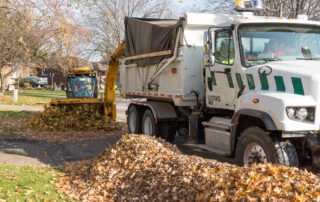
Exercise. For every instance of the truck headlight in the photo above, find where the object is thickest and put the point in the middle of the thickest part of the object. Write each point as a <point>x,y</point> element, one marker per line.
<point>306,114</point>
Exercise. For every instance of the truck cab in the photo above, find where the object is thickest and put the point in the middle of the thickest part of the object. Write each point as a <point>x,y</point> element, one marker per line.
<point>266,72</point>
<point>82,83</point>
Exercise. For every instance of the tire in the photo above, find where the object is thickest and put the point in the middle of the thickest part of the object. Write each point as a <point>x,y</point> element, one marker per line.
<point>287,154</point>
<point>256,146</point>
<point>149,126</point>
<point>168,131</point>
<point>134,120</point>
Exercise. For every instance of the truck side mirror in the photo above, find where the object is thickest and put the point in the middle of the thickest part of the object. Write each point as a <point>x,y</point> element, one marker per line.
<point>211,48</point>
<point>212,61</point>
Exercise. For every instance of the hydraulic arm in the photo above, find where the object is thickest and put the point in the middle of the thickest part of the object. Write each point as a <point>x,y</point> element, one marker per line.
<point>110,84</point>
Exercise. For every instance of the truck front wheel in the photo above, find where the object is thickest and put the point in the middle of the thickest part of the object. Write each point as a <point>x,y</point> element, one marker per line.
<point>256,146</point>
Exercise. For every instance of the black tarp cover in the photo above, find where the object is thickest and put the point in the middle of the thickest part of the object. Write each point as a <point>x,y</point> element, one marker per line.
<point>146,36</point>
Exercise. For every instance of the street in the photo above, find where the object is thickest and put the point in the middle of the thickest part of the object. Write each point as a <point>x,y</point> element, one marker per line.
<point>22,151</point>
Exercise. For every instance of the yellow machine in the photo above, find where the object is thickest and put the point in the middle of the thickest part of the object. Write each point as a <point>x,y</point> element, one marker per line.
<point>82,87</point>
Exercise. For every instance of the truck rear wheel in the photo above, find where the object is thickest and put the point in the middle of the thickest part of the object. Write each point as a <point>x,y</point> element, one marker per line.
<point>149,126</point>
<point>256,146</point>
<point>165,130</point>
<point>134,120</point>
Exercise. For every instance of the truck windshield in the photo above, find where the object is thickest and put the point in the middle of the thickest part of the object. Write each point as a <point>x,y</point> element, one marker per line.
<point>262,43</point>
<point>81,86</point>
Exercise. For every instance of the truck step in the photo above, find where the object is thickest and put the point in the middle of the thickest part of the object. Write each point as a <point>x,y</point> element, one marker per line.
<point>204,147</point>
<point>217,135</point>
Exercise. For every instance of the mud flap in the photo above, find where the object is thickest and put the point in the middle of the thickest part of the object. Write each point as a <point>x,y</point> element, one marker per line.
<point>196,131</point>
<point>314,143</point>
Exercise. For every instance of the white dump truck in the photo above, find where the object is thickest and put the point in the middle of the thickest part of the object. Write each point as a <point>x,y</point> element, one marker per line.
<point>243,86</point>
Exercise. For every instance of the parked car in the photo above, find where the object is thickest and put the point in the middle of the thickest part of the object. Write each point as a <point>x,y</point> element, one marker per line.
<point>36,81</point>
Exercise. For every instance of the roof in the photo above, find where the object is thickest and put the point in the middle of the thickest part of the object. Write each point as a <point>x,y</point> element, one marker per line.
<point>79,62</point>
<point>275,20</point>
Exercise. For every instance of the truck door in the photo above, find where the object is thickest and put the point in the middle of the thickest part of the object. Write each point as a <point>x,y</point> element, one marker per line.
<point>220,74</point>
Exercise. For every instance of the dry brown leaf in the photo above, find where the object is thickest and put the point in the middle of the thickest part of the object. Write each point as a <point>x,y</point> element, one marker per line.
<point>81,117</point>
<point>136,169</point>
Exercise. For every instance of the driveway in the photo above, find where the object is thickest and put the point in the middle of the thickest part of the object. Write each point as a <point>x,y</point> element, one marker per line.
<point>15,151</point>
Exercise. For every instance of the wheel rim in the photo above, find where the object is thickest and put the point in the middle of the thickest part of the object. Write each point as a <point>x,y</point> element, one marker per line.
<point>132,123</point>
<point>147,126</point>
<point>254,153</point>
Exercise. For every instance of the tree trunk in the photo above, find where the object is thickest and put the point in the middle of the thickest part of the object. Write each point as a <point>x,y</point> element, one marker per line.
<point>1,84</point>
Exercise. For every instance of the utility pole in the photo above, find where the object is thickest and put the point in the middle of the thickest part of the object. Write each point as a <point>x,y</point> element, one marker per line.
<point>52,76</point>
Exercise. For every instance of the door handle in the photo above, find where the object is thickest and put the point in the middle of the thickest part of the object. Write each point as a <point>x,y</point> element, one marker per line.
<point>226,71</point>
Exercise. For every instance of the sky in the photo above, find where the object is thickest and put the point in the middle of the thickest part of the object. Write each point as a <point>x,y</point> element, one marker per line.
<point>185,2</point>
<point>185,5</point>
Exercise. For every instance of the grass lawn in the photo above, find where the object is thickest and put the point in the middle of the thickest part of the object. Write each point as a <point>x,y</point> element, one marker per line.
<point>25,183</point>
<point>31,97</point>
<point>42,92</point>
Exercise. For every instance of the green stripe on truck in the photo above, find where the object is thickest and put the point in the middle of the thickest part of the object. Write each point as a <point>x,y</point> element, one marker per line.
<point>280,83</point>
<point>213,78</point>
<point>297,86</point>
<point>264,82</point>
<point>230,80</point>
<point>250,82</point>
<point>239,80</point>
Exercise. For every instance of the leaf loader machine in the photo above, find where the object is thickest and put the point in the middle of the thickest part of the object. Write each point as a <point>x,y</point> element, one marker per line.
<point>82,87</point>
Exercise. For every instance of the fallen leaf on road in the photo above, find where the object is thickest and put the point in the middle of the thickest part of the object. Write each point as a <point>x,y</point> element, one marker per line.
<point>143,168</point>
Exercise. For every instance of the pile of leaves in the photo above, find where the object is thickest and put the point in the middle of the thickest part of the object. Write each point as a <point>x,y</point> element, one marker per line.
<point>142,168</point>
<point>82,117</point>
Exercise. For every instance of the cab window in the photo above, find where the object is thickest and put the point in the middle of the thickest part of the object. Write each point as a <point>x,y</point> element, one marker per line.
<point>224,48</point>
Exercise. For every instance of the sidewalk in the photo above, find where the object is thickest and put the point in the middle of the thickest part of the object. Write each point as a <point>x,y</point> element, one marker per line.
<point>21,108</point>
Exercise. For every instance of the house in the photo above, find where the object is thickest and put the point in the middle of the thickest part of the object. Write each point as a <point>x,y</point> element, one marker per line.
<point>13,74</point>
<point>54,76</point>
<point>101,71</point>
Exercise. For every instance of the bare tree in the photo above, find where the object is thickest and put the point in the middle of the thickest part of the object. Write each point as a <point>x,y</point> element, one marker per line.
<point>284,8</point>
<point>293,8</point>
<point>105,20</point>
<point>213,6</point>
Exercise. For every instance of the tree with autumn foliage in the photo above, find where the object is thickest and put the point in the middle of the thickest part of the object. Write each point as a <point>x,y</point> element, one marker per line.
<point>37,33</point>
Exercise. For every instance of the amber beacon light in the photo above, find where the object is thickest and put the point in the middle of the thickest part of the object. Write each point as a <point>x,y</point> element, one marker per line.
<point>256,4</point>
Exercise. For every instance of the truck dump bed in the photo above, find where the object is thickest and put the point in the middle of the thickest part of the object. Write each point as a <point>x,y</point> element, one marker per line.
<point>164,58</point>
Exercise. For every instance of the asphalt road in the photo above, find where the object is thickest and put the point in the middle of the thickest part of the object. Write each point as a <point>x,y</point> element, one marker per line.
<point>15,151</point>
<point>43,153</point>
